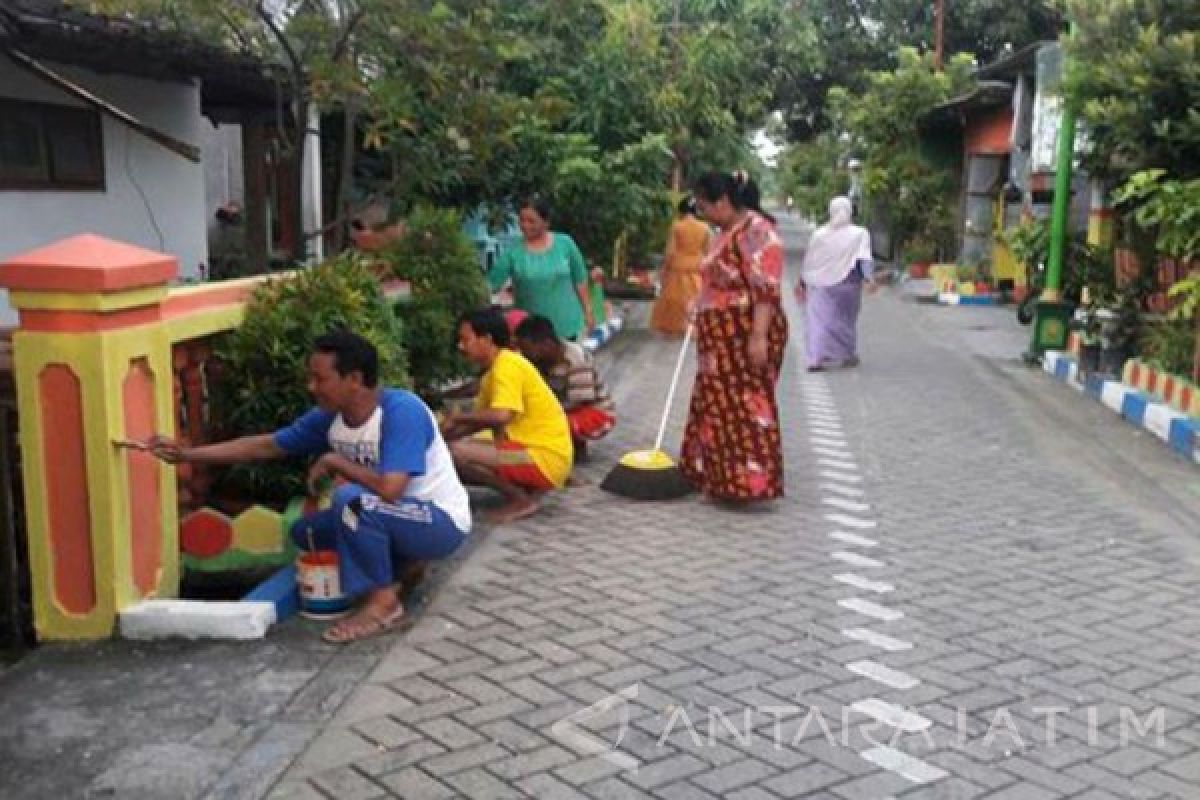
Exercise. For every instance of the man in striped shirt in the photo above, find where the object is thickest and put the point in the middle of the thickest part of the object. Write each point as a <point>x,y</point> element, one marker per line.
<point>571,374</point>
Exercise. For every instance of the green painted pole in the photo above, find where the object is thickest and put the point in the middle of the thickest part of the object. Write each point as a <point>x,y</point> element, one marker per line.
<point>1062,203</point>
<point>1053,317</point>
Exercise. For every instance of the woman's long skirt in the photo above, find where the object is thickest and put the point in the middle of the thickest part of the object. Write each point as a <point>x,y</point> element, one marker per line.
<point>732,449</point>
<point>679,290</point>
<point>831,322</point>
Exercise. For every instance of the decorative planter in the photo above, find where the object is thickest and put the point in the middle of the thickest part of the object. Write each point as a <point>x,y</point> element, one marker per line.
<point>919,270</point>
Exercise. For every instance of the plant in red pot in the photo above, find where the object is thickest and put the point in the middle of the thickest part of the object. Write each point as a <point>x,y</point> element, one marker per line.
<point>919,254</point>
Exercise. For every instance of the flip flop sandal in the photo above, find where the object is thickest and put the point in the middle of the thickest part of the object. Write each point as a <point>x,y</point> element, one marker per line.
<point>360,628</point>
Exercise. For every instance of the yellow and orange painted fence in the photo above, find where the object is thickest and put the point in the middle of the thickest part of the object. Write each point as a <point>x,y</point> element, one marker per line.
<point>1179,393</point>
<point>106,349</point>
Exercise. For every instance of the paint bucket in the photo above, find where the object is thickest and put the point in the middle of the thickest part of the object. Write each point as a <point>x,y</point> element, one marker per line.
<point>320,585</point>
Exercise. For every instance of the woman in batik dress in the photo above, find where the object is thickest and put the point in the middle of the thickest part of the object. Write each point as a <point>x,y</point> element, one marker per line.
<point>732,450</point>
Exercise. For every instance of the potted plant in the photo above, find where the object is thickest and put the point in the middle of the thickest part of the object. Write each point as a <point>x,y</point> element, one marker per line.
<point>919,255</point>
<point>966,275</point>
<point>983,277</point>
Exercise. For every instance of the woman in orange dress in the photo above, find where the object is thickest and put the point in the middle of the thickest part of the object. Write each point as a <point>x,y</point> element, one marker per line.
<point>681,279</point>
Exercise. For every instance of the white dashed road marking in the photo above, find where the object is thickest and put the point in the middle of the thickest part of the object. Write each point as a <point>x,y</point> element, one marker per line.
<point>838,468</point>
<point>848,491</point>
<point>866,584</point>
<point>880,640</point>
<point>855,560</point>
<point>852,522</point>
<point>892,715</point>
<point>869,609</point>
<point>880,673</point>
<point>853,538</point>
<point>903,764</point>
<point>846,505</point>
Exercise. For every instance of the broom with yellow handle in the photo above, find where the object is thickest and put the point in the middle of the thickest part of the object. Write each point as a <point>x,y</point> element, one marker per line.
<point>652,474</point>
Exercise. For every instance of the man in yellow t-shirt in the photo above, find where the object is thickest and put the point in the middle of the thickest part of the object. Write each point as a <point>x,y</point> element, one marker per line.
<point>530,449</point>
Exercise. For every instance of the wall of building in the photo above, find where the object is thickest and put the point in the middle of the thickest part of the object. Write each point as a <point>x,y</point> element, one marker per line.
<point>990,133</point>
<point>153,197</point>
<point>224,180</point>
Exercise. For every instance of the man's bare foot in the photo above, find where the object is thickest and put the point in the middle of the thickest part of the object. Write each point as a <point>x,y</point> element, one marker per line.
<point>369,621</point>
<point>513,511</point>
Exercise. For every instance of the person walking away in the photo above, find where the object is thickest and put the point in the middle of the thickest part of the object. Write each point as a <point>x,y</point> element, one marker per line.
<point>687,242</point>
<point>836,266</point>
<point>732,449</point>
<point>548,273</point>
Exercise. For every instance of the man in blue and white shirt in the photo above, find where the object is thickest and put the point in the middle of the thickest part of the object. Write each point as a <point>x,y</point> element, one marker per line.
<point>398,498</point>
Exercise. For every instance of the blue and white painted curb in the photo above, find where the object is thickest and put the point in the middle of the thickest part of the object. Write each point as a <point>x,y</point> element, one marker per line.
<point>956,299</point>
<point>1172,426</point>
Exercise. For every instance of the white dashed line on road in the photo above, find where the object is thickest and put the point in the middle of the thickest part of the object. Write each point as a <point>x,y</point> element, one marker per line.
<point>848,491</point>
<point>880,673</point>
<point>852,512</point>
<point>880,640</point>
<point>892,715</point>
<point>866,584</point>
<point>914,769</point>
<point>869,609</point>
<point>852,522</point>
<point>846,505</point>
<point>833,452</point>
<point>855,560</point>
<point>853,538</point>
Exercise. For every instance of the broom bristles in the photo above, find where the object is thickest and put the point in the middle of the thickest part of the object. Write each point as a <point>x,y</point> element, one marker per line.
<point>646,484</point>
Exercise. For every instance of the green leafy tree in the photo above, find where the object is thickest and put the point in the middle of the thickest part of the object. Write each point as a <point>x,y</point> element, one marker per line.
<point>856,39</point>
<point>1135,73</point>
<point>261,383</point>
<point>880,127</point>
<point>441,265</point>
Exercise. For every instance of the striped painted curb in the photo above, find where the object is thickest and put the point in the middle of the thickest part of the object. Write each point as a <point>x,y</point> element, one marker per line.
<point>956,299</point>
<point>1177,429</point>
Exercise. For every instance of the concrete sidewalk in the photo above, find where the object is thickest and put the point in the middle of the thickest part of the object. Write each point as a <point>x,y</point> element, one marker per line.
<point>184,719</point>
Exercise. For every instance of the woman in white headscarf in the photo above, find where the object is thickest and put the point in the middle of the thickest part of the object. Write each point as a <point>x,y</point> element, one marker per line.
<point>836,265</point>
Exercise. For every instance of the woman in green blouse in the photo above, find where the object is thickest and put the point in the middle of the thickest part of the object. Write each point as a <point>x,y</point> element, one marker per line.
<point>547,272</point>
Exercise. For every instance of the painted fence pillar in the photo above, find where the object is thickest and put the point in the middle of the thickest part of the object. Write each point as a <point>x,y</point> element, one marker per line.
<point>92,363</point>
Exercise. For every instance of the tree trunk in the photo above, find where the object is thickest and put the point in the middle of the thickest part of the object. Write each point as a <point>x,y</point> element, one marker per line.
<point>299,244</point>
<point>345,179</point>
<point>254,169</point>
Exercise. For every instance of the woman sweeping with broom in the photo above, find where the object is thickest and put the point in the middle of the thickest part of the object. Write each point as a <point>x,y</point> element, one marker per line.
<point>732,450</point>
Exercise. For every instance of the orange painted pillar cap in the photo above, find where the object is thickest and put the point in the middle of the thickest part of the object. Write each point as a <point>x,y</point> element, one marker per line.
<point>87,263</point>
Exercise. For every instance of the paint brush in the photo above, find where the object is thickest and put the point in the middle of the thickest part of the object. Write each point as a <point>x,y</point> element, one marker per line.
<point>130,444</point>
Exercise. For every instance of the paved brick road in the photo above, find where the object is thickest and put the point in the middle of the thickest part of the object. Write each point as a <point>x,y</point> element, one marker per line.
<point>964,545</point>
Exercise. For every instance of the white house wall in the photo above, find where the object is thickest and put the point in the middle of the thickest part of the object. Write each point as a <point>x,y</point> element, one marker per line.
<point>224,182</point>
<point>153,197</point>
